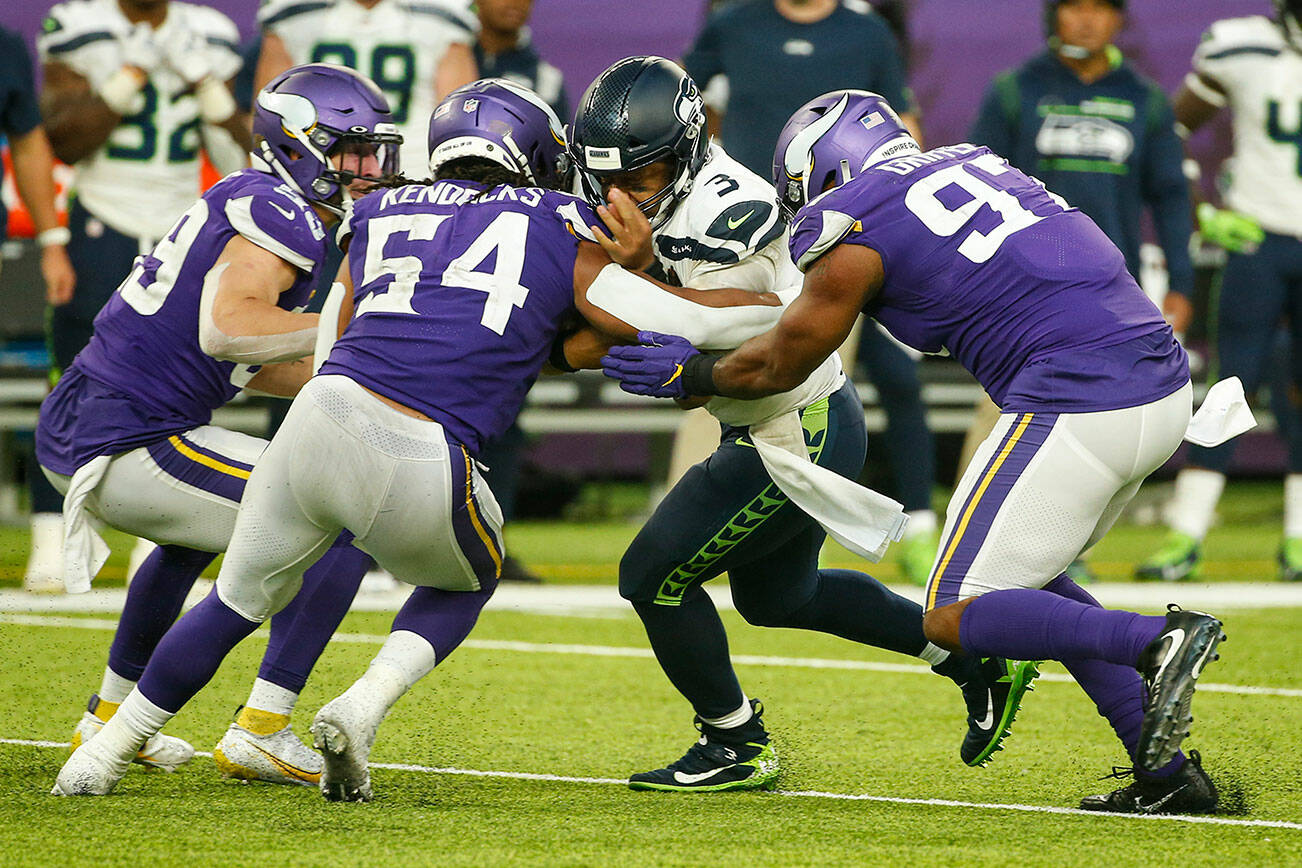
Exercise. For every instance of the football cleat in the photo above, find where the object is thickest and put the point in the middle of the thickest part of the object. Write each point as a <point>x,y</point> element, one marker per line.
<point>993,700</point>
<point>86,774</point>
<point>344,733</point>
<point>916,555</point>
<point>160,752</point>
<point>1170,665</point>
<point>741,758</point>
<point>1290,560</point>
<point>1189,791</point>
<point>1178,560</point>
<point>261,746</point>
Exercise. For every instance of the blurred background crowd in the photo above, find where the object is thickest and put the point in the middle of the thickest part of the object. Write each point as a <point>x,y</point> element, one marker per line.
<point>1112,104</point>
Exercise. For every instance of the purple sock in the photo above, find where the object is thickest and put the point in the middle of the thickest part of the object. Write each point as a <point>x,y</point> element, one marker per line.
<point>442,618</point>
<point>1040,625</point>
<point>190,653</point>
<point>300,631</point>
<point>1117,691</point>
<point>154,599</point>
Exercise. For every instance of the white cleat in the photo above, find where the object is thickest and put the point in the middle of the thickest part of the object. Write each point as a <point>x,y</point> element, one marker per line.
<point>160,752</point>
<point>87,775</point>
<point>278,758</point>
<point>344,734</point>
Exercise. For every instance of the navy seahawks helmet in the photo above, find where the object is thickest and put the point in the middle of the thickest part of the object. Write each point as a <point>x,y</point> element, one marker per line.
<point>639,111</point>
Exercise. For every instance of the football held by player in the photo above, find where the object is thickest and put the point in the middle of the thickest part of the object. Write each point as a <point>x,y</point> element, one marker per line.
<point>1080,362</point>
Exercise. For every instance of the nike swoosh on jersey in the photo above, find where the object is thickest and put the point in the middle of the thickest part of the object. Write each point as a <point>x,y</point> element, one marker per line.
<point>684,778</point>
<point>733,224</point>
<point>288,215</point>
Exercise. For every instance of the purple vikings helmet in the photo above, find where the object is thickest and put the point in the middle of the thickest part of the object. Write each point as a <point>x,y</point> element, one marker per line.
<point>500,121</point>
<point>309,113</point>
<point>832,139</point>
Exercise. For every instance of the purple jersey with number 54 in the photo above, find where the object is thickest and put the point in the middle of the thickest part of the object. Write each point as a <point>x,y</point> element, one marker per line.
<point>459,294</point>
<point>143,375</point>
<point>980,260</point>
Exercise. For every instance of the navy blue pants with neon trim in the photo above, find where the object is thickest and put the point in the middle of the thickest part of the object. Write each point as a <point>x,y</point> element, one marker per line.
<point>726,515</point>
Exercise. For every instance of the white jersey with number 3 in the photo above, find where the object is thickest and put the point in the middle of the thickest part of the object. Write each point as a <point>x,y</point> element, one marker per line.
<point>729,232</point>
<point>1261,75</point>
<point>396,43</point>
<point>147,172</point>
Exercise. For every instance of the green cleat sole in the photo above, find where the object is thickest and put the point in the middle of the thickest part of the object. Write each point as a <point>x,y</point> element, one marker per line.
<point>1022,677</point>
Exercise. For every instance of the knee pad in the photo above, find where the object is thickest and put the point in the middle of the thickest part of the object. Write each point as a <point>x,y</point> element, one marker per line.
<point>258,600</point>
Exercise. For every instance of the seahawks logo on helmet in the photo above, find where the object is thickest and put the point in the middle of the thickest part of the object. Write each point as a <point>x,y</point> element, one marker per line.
<point>689,108</point>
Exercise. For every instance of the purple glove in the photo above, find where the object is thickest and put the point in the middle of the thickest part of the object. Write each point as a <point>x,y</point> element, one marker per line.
<point>653,367</point>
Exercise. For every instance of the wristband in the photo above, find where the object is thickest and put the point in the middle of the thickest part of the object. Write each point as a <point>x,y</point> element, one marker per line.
<point>216,105</point>
<point>58,236</point>
<point>121,91</point>
<point>698,374</point>
<point>556,358</point>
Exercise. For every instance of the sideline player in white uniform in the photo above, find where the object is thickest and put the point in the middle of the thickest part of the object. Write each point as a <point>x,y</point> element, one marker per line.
<point>639,138</point>
<point>133,90</point>
<point>1253,66</point>
<point>416,51</point>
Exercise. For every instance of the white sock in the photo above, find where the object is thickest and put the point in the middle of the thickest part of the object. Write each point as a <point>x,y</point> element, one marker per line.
<point>266,696</point>
<point>933,654</point>
<point>734,719</point>
<point>921,521</point>
<point>1193,507</point>
<point>404,659</point>
<point>1293,506</point>
<point>136,721</point>
<point>114,688</point>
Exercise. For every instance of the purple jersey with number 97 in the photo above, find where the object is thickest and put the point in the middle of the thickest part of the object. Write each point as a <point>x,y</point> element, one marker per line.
<point>980,260</point>
<point>459,294</point>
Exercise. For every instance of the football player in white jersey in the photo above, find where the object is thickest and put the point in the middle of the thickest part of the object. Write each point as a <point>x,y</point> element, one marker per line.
<point>417,51</point>
<point>133,90</point>
<point>680,204</point>
<point>1253,66</point>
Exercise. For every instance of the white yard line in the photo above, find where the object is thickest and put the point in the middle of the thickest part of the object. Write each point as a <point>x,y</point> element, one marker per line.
<point>805,794</point>
<point>643,654</point>
<point>590,600</point>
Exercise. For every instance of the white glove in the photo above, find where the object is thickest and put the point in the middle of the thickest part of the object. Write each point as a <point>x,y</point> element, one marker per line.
<point>189,57</point>
<point>140,49</point>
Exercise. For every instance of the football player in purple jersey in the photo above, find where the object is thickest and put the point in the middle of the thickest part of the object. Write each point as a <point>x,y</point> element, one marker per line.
<point>126,435</point>
<point>955,251</point>
<point>458,293</point>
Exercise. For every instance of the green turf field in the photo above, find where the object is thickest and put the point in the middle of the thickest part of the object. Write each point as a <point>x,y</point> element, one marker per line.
<point>603,710</point>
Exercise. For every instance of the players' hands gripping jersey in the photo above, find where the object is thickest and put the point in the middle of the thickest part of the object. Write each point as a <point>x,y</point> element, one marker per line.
<point>458,296</point>
<point>982,261</point>
<point>1261,74</point>
<point>396,43</point>
<point>146,341</point>
<point>729,232</point>
<point>147,172</point>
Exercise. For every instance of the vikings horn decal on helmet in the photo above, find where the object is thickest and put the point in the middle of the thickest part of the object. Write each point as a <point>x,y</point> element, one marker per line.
<point>640,111</point>
<point>309,113</point>
<point>501,121</point>
<point>832,139</point>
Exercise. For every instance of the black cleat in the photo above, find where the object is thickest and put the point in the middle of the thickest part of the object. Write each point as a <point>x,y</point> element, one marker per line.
<point>1188,791</point>
<point>1170,665</point>
<point>723,759</point>
<point>993,699</point>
